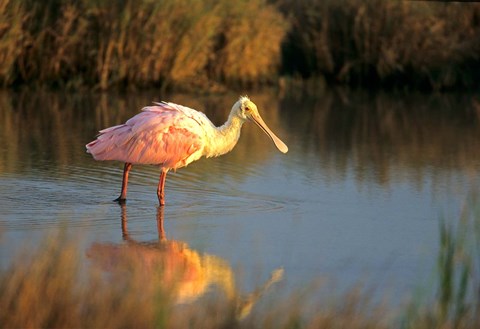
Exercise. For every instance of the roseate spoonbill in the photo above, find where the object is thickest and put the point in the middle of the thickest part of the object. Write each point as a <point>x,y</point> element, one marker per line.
<point>172,136</point>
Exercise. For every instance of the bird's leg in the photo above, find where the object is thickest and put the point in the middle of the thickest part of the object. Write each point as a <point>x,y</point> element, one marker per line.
<point>161,187</point>
<point>123,195</point>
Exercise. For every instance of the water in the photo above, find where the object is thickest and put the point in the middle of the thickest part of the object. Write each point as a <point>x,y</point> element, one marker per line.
<point>358,197</point>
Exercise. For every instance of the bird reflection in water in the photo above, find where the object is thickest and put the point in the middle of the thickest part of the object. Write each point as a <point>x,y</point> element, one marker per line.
<point>173,265</point>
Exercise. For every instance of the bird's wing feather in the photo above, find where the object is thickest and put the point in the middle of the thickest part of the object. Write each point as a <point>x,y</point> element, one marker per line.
<point>165,134</point>
<point>199,117</point>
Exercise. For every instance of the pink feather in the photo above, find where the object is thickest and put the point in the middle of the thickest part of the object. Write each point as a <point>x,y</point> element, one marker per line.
<point>160,135</point>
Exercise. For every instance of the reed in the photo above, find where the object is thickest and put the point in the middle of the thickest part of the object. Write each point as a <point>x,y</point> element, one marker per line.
<point>12,38</point>
<point>210,44</point>
<point>456,301</point>
<point>50,288</point>
<point>415,44</point>
<point>107,44</point>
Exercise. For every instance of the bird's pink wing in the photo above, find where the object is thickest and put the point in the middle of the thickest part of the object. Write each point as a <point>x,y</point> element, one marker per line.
<point>160,135</point>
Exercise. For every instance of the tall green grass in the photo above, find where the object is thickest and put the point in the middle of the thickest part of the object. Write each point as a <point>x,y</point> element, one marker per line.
<point>456,298</point>
<point>212,44</point>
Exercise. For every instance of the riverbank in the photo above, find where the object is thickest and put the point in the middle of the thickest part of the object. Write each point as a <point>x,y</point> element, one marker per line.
<point>214,45</point>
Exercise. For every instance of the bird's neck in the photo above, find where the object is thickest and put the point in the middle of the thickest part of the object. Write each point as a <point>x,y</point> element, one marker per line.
<point>225,137</point>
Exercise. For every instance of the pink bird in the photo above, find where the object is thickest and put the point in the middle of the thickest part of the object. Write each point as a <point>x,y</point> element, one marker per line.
<point>172,136</point>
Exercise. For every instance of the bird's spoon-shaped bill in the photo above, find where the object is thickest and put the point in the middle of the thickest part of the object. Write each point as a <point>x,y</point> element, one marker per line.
<point>278,143</point>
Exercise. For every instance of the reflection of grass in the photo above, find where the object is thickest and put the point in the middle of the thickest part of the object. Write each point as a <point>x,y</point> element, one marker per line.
<point>390,137</point>
<point>50,288</point>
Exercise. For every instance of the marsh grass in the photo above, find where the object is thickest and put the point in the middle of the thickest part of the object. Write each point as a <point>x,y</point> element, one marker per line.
<point>456,299</point>
<point>108,44</point>
<point>49,288</point>
<point>208,44</point>
<point>416,44</point>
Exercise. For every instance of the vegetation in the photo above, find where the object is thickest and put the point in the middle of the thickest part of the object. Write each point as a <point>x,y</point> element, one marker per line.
<point>138,284</point>
<point>138,43</point>
<point>421,44</point>
<point>456,303</point>
<point>211,44</point>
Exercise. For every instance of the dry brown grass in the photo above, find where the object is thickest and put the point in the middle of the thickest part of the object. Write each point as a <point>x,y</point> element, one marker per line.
<point>428,45</point>
<point>48,288</point>
<point>108,44</point>
<point>12,38</point>
<point>209,44</point>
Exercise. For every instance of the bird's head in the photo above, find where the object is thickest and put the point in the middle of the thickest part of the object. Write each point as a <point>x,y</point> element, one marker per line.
<point>245,109</point>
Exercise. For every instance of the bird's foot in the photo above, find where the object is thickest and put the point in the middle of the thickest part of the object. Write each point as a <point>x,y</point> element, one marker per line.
<point>120,200</point>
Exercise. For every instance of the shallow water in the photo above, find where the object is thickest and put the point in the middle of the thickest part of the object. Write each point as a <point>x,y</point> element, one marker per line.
<point>358,197</point>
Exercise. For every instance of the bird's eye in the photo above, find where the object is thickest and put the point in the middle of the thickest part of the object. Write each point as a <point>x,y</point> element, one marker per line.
<point>247,109</point>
